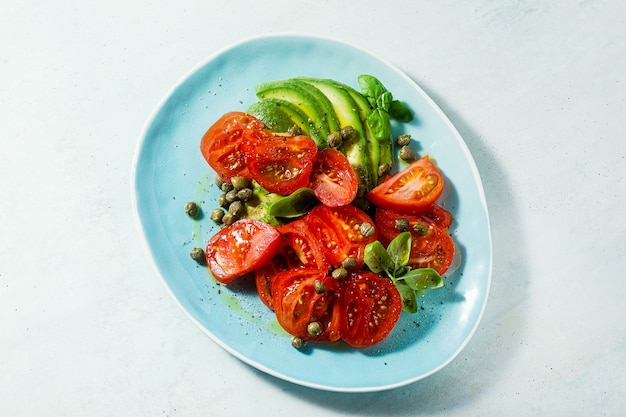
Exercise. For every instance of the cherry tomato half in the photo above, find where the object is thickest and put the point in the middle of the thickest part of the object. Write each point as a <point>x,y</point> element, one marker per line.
<point>338,231</point>
<point>264,276</point>
<point>371,307</point>
<point>221,144</point>
<point>241,248</point>
<point>302,244</point>
<point>333,180</point>
<point>431,245</point>
<point>297,304</point>
<point>411,190</point>
<point>280,164</point>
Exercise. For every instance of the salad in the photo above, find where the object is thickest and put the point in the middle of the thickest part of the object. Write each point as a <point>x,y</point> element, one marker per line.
<point>338,239</point>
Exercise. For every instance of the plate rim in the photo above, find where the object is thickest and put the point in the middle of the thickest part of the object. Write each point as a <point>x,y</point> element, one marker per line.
<point>459,139</point>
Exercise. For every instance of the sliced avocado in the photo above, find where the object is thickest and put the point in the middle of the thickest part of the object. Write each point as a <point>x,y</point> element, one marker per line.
<point>348,113</point>
<point>309,99</point>
<point>280,116</point>
<point>380,149</point>
<point>272,115</point>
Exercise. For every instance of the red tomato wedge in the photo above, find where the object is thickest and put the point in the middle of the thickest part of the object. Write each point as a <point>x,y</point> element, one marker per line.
<point>333,180</point>
<point>337,229</point>
<point>431,248</point>
<point>303,245</point>
<point>264,276</point>
<point>411,190</point>
<point>371,307</point>
<point>221,144</point>
<point>241,248</point>
<point>297,304</point>
<point>280,164</point>
<point>439,215</point>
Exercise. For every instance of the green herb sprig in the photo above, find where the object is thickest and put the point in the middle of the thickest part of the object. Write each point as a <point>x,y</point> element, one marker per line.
<point>392,262</point>
<point>383,105</point>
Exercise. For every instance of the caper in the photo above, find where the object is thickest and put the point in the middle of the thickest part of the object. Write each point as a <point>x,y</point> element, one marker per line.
<point>335,139</point>
<point>314,329</point>
<point>244,194</point>
<point>402,224</point>
<point>236,208</point>
<point>192,209</point>
<point>239,182</point>
<point>219,181</point>
<point>222,200</point>
<point>339,273</point>
<point>197,254</point>
<point>407,154</point>
<point>366,229</point>
<point>294,130</point>
<point>403,140</point>
<point>217,214</point>
<point>347,133</point>
<point>319,286</point>
<point>349,263</point>
<point>231,196</point>
<point>228,219</point>
<point>297,342</point>
<point>383,171</point>
<point>421,228</point>
<point>226,187</point>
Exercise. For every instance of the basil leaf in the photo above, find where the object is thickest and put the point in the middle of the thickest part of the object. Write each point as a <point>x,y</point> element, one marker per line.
<point>399,111</point>
<point>399,250</point>
<point>384,101</point>
<point>378,122</point>
<point>293,205</point>
<point>371,88</point>
<point>376,258</point>
<point>409,300</point>
<point>422,279</point>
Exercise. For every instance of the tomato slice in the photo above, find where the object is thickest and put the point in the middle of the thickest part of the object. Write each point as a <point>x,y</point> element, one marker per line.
<point>410,190</point>
<point>371,307</point>
<point>280,164</point>
<point>439,215</point>
<point>432,247</point>
<point>333,180</point>
<point>337,229</point>
<point>221,144</point>
<point>264,276</point>
<point>303,245</point>
<point>297,304</point>
<point>240,248</point>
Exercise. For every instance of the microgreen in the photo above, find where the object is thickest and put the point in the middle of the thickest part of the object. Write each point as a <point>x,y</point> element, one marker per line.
<point>392,262</point>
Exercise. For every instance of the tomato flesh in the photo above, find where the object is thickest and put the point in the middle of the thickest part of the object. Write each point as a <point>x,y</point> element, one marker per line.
<point>297,304</point>
<point>431,248</point>
<point>302,244</point>
<point>338,231</point>
<point>332,179</point>
<point>221,145</point>
<point>438,215</point>
<point>411,190</point>
<point>371,307</point>
<point>241,248</point>
<point>264,276</point>
<point>280,164</point>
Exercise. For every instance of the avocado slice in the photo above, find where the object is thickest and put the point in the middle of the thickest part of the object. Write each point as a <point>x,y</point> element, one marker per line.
<point>349,113</point>
<point>380,150</point>
<point>309,99</point>
<point>272,115</point>
<point>280,116</point>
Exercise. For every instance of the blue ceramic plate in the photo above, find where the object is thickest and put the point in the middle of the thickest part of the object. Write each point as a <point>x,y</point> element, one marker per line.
<point>169,170</point>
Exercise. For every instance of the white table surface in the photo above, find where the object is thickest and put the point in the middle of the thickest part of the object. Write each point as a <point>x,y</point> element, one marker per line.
<point>536,88</point>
